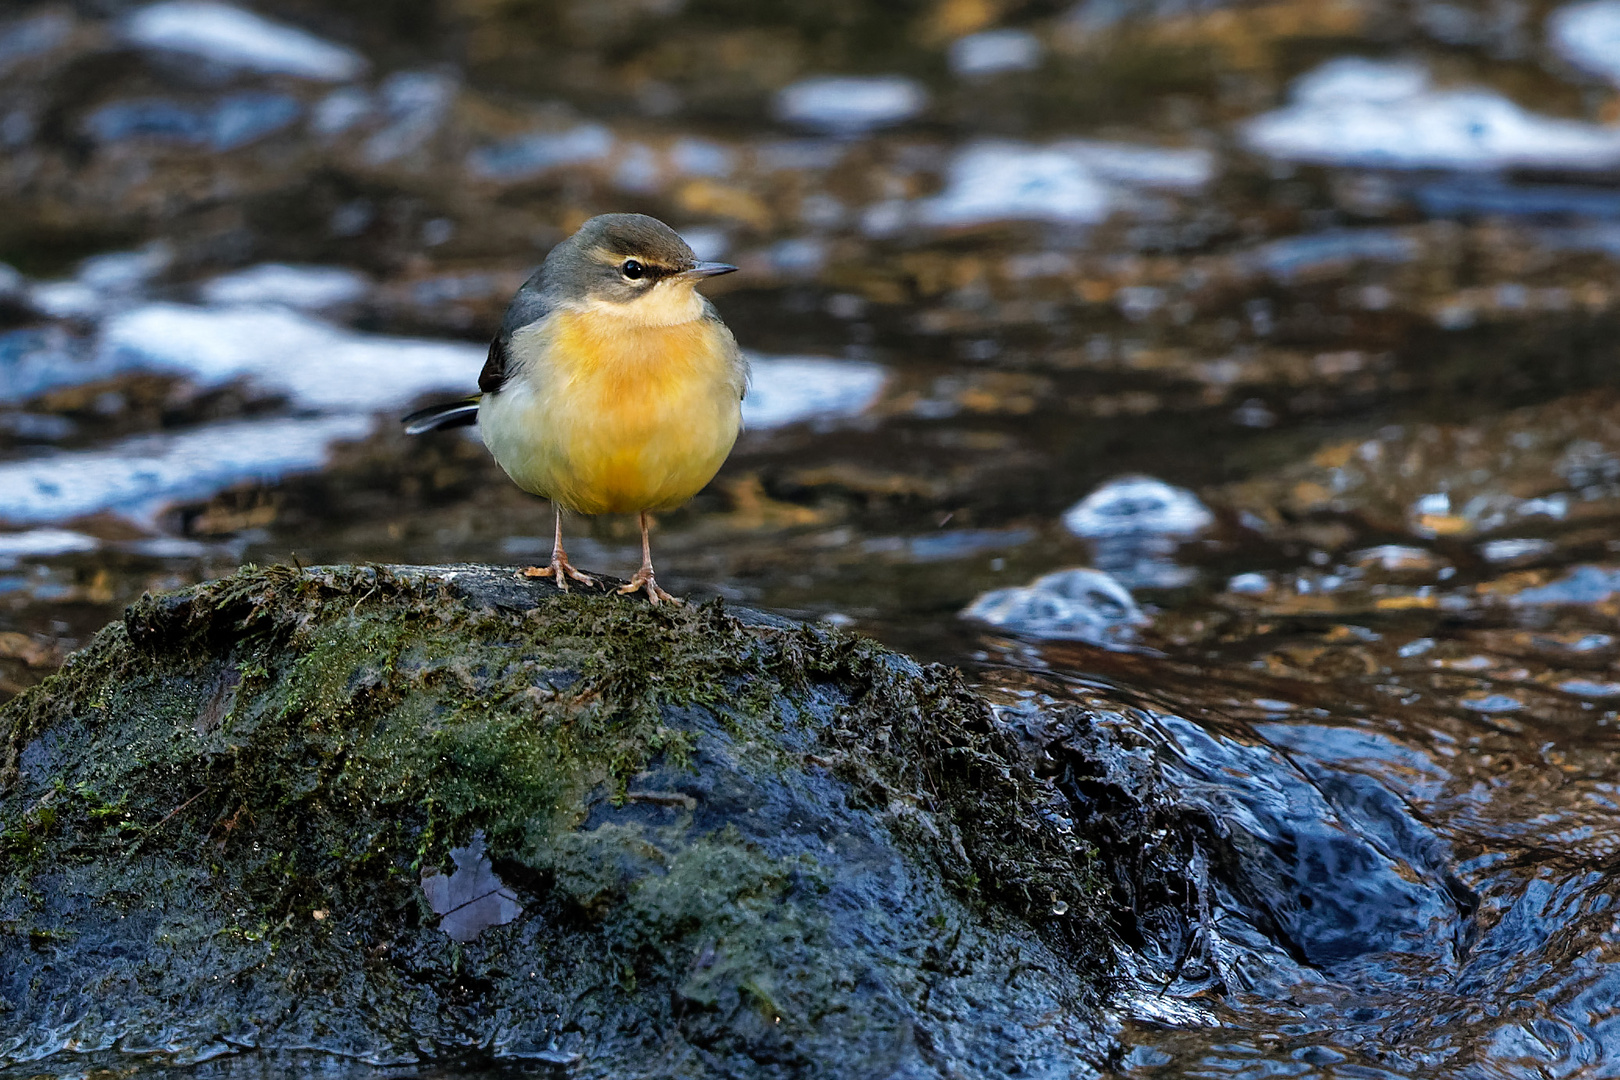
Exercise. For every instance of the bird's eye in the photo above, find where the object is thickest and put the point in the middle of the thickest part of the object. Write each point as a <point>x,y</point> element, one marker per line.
<point>632,269</point>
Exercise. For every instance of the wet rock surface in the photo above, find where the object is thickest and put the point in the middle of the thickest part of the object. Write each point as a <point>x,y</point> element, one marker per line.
<point>397,814</point>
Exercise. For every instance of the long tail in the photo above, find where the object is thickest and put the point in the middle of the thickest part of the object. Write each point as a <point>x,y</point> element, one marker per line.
<point>451,414</point>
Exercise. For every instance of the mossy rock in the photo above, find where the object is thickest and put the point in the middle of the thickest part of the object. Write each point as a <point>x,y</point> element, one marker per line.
<point>740,846</point>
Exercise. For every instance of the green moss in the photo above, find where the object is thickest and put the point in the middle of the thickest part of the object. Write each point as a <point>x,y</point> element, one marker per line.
<point>411,707</point>
<point>721,922</point>
<point>362,697</point>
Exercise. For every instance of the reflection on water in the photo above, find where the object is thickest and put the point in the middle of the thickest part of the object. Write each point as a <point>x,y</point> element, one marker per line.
<point>1244,371</point>
<point>1422,810</point>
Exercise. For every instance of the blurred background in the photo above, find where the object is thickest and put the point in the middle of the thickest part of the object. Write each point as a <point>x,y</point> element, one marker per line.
<point>1242,366</point>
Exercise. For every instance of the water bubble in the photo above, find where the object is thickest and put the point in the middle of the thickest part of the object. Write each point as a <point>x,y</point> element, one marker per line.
<point>1073,605</point>
<point>1138,506</point>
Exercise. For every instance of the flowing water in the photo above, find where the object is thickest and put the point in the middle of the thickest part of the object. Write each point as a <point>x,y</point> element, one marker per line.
<point>1290,325</point>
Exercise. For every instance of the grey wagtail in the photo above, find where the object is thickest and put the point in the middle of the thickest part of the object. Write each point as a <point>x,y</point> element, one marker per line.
<point>612,387</point>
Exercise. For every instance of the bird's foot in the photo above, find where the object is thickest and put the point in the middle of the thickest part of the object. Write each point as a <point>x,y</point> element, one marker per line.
<point>644,580</point>
<point>559,571</point>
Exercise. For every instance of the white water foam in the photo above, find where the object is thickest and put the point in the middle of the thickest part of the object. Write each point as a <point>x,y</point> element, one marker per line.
<point>787,389</point>
<point>42,544</point>
<point>1076,181</point>
<point>305,287</point>
<point>850,104</point>
<point>995,51</point>
<point>1588,36</point>
<point>316,364</point>
<point>138,477</point>
<point>1374,113</point>
<point>233,38</point>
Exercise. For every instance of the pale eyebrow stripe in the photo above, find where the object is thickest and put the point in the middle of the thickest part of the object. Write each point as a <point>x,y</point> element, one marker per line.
<point>654,270</point>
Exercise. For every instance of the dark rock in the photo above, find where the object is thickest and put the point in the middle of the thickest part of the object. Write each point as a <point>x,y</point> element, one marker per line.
<point>705,844</point>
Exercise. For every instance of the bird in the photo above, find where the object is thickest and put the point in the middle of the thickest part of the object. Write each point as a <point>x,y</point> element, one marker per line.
<point>613,386</point>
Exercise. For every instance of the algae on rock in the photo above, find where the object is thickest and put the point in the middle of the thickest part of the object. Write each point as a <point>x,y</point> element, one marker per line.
<point>740,846</point>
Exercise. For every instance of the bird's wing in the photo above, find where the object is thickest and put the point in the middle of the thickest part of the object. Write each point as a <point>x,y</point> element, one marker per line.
<point>496,368</point>
<point>741,370</point>
<point>529,306</point>
<point>738,362</point>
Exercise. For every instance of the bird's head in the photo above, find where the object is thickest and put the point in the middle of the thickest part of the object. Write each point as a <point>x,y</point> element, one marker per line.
<point>630,266</point>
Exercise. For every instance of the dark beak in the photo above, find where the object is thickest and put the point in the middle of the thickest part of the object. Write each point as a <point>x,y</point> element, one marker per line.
<point>709,269</point>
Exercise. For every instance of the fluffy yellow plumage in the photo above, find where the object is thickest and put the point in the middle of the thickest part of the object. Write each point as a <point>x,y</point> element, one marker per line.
<point>618,417</point>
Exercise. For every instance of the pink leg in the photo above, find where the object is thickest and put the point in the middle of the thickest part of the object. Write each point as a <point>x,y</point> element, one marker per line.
<point>644,577</point>
<point>560,569</point>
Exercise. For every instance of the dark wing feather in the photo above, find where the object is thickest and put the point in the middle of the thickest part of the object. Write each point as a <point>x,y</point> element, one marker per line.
<point>496,368</point>
<point>450,414</point>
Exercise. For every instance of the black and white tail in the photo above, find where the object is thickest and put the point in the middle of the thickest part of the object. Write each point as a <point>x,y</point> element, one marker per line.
<point>451,414</point>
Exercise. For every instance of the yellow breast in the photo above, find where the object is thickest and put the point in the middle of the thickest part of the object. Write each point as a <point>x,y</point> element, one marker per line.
<point>614,417</point>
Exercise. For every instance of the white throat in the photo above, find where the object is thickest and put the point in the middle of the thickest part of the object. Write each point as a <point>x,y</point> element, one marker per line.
<point>668,303</point>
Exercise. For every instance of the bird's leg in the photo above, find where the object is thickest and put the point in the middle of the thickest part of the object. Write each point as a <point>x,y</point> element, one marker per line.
<point>560,569</point>
<point>643,578</point>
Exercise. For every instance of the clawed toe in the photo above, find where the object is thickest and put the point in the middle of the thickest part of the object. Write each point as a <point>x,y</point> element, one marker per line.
<point>646,582</point>
<point>583,579</point>
<point>559,571</point>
